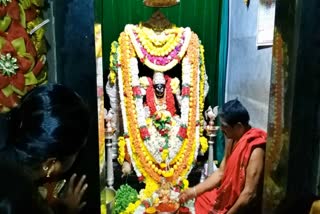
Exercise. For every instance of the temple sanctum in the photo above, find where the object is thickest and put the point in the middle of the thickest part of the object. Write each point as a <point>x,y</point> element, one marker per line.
<point>195,106</point>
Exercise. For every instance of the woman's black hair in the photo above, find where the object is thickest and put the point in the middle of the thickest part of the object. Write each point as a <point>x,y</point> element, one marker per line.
<point>233,112</point>
<point>51,121</point>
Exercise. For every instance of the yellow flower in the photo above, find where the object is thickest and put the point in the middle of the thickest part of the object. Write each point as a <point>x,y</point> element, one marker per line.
<point>148,121</point>
<point>132,207</point>
<point>144,82</point>
<point>168,174</point>
<point>163,165</point>
<point>204,144</point>
<point>185,183</point>
<point>121,144</point>
<point>164,154</point>
<point>112,77</point>
<point>175,82</point>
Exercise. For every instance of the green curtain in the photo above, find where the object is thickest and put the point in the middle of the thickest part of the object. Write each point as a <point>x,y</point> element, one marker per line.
<point>98,11</point>
<point>223,54</point>
<point>201,16</point>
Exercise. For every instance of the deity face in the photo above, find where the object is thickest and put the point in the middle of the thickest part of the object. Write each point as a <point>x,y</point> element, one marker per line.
<point>159,90</point>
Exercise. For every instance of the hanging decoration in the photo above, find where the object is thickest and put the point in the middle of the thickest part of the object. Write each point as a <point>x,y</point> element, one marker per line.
<point>160,3</point>
<point>22,50</point>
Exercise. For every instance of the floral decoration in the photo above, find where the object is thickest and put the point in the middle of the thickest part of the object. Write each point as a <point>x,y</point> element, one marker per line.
<point>160,52</point>
<point>122,150</point>
<point>175,84</point>
<point>203,144</point>
<point>131,207</point>
<point>162,122</point>
<point>161,143</point>
<point>113,62</point>
<point>22,53</point>
<point>201,87</point>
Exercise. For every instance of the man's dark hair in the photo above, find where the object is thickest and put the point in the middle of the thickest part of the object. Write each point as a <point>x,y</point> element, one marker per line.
<point>233,112</point>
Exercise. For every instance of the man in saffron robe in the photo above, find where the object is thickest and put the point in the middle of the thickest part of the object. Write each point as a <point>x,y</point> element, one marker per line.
<point>236,186</point>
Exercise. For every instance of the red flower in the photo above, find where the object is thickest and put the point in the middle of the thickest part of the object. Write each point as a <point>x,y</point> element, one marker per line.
<point>185,91</point>
<point>144,132</point>
<point>158,117</point>
<point>140,178</point>
<point>182,133</point>
<point>163,132</point>
<point>136,91</point>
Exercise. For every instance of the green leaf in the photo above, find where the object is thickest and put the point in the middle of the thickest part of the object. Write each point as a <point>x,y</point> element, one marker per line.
<point>30,78</point>
<point>21,93</point>
<point>19,45</point>
<point>2,42</point>
<point>7,91</point>
<point>38,3</point>
<point>25,4</point>
<point>4,23</point>
<point>22,16</point>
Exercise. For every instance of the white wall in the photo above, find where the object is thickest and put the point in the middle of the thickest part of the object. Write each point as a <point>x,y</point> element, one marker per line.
<point>249,69</point>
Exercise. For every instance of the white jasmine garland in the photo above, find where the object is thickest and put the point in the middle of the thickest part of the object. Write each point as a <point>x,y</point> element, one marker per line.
<point>130,29</point>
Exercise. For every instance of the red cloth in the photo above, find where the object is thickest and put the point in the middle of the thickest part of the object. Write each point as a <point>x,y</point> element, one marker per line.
<point>221,199</point>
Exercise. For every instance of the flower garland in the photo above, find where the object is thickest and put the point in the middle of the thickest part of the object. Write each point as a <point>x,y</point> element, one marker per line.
<point>191,147</point>
<point>202,83</point>
<point>159,45</point>
<point>174,160</point>
<point>122,150</point>
<point>203,140</point>
<point>163,58</point>
<point>113,62</point>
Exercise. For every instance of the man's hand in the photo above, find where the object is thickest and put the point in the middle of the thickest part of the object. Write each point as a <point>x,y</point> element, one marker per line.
<point>74,193</point>
<point>187,195</point>
<point>126,169</point>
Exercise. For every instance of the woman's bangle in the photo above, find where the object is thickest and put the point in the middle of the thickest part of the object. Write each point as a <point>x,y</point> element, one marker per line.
<point>194,191</point>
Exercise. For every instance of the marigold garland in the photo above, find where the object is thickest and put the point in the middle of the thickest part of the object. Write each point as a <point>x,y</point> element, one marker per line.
<point>189,156</point>
<point>130,89</point>
<point>202,84</point>
<point>121,147</point>
<point>203,144</point>
<point>144,165</point>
